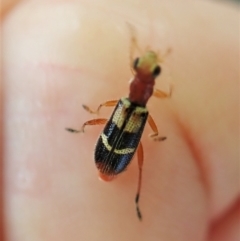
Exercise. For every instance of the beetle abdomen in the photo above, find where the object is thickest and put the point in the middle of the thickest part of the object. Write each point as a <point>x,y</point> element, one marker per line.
<point>119,140</point>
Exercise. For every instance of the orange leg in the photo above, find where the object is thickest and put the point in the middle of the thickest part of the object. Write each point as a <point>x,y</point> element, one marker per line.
<point>93,122</point>
<point>140,164</point>
<point>107,104</point>
<point>161,94</point>
<point>154,135</point>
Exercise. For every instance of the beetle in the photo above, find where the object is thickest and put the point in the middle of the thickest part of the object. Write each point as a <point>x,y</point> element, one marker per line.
<point>120,138</point>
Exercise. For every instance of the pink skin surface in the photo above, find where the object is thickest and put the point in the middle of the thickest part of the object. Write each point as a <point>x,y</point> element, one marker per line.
<point>58,55</point>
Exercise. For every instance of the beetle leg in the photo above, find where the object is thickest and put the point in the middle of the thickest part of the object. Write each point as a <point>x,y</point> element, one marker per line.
<point>161,94</point>
<point>154,135</point>
<point>140,164</point>
<point>93,122</point>
<point>107,104</point>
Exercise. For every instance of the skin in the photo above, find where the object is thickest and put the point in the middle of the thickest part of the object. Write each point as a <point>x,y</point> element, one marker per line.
<point>59,55</point>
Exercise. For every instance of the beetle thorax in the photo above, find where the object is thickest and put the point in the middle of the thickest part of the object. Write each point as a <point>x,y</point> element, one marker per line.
<point>141,89</point>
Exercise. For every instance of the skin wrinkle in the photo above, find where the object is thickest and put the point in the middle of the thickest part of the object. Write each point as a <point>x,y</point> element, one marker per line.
<point>194,150</point>
<point>235,203</point>
<point>218,222</point>
<point>197,157</point>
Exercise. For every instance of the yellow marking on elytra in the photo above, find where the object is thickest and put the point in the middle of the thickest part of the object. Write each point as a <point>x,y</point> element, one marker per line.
<point>120,113</point>
<point>119,116</point>
<point>135,120</point>
<point>116,151</point>
<point>126,102</point>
